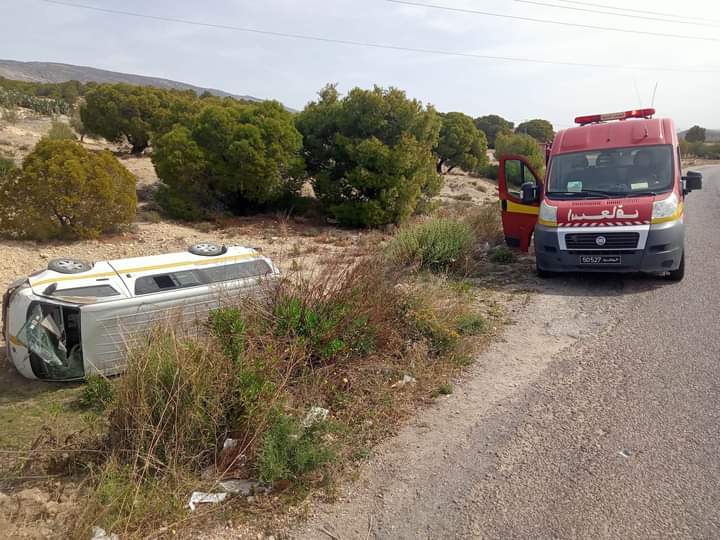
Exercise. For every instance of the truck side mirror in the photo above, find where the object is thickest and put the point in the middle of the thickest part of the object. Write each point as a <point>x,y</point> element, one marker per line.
<point>692,181</point>
<point>529,193</point>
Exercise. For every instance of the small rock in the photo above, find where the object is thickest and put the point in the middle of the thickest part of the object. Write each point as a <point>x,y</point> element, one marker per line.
<point>407,379</point>
<point>315,415</point>
<point>241,487</point>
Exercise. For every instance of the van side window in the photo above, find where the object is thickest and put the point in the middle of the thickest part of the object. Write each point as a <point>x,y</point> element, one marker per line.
<point>96,291</point>
<point>241,270</point>
<point>165,282</point>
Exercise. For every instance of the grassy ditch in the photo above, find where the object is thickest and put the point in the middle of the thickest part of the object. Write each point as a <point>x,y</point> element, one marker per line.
<point>366,340</point>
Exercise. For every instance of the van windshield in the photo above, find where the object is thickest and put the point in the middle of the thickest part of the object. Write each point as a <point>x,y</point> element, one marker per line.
<point>616,172</point>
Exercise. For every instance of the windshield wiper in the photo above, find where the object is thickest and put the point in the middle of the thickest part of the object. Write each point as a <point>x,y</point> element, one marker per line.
<point>584,192</point>
<point>643,194</point>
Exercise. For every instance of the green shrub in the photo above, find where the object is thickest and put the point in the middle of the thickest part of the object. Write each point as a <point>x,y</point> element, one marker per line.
<point>289,450</point>
<point>228,325</point>
<point>98,393</point>
<point>486,224</point>
<point>7,166</point>
<point>437,244</point>
<point>461,144</point>
<point>471,324</point>
<point>370,154</point>
<point>490,171</point>
<point>66,191</point>
<point>503,255</point>
<point>523,145</point>
<point>492,125</point>
<point>539,129</point>
<point>60,130</point>
<point>444,389</point>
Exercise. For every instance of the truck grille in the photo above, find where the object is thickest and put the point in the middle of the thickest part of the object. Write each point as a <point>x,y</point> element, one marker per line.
<point>613,240</point>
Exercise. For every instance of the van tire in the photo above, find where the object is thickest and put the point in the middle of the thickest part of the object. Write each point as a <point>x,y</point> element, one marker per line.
<point>68,266</point>
<point>207,249</point>
<point>679,274</point>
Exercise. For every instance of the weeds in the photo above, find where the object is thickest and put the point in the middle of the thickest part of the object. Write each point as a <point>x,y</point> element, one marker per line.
<point>438,244</point>
<point>97,393</point>
<point>503,255</point>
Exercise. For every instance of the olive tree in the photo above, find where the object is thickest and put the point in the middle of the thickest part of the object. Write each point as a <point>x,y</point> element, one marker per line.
<point>460,144</point>
<point>65,191</point>
<point>230,156</point>
<point>370,154</point>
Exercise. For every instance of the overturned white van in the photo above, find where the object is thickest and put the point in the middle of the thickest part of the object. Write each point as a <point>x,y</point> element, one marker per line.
<point>76,319</point>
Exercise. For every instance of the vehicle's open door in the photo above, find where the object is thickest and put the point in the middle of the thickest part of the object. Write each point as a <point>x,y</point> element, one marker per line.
<point>520,190</point>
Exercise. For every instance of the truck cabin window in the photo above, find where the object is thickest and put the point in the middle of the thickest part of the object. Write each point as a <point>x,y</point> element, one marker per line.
<point>615,172</point>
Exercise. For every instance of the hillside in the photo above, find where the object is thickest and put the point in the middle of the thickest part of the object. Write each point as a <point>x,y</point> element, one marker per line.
<point>51,72</point>
<point>711,135</point>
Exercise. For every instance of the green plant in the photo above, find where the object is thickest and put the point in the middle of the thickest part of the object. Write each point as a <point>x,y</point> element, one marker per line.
<point>60,130</point>
<point>523,145</point>
<point>437,244</point>
<point>461,144</point>
<point>98,393</point>
<point>444,389</point>
<point>289,449</point>
<point>539,129</point>
<point>229,326</point>
<point>370,154</point>
<point>486,224</point>
<point>230,155</point>
<point>503,255</point>
<point>695,134</point>
<point>471,324</point>
<point>490,171</point>
<point>492,125</point>
<point>66,191</point>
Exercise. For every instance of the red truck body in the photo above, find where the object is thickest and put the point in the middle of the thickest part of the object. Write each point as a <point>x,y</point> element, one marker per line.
<point>611,199</point>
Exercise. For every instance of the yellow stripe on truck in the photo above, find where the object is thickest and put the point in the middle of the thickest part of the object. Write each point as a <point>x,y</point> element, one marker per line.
<point>516,208</point>
<point>210,260</point>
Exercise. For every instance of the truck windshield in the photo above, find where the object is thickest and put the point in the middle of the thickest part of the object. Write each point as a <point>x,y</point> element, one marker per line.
<point>615,172</point>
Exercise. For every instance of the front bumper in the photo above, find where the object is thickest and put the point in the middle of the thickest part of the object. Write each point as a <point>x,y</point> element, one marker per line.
<point>663,252</point>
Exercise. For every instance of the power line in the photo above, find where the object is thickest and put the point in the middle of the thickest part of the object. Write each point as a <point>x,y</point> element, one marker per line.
<point>646,12</point>
<point>551,21</point>
<point>626,15</point>
<point>368,44</point>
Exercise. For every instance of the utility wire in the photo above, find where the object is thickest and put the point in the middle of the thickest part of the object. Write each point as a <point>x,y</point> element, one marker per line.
<point>368,44</point>
<point>626,15</point>
<point>551,21</point>
<point>641,11</point>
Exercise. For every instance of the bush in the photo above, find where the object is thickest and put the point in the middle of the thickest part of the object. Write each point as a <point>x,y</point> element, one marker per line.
<point>503,255</point>
<point>523,145</point>
<point>98,393</point>
<point>486,224</point>
<point>233,155</point>
<point>490,171</point>
<point>60,130</point>
<point>370,154</point>
<point>492,125</point>
<point>66,191</point>
<point>289,450</point>
<point>438,244</point>
<point>461,144</point>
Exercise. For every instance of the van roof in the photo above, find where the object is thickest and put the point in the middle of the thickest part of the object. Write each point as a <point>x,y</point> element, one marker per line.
<point>121,273</point>
<point>618,134</point>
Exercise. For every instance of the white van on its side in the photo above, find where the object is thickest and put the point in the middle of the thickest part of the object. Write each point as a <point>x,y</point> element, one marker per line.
<point>76,319</point>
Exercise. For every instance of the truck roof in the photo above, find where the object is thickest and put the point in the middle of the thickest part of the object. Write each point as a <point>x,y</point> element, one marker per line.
<point>122,273</point>
<point>617,134</point>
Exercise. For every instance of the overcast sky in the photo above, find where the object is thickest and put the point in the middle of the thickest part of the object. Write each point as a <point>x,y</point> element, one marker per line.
<point>292,71</point>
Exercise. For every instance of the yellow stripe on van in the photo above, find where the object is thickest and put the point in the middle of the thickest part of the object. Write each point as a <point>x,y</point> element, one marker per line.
<point>204,262</point>
<point>676,215</point>
<point>516,208</point>
<point>15,341</point>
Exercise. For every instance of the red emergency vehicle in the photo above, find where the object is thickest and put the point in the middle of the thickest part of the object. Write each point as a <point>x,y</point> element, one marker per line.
<point>612,198</point>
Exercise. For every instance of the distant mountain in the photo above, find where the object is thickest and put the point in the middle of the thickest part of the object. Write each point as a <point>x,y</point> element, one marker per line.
<point>711,135</point>
<point>51,72</point>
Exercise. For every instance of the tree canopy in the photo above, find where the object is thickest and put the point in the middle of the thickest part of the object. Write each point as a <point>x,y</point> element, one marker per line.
<point>539,129</point>
<point>66,191</point>
<point>491,125</point>
<point>523,145</point>
<point>229,155</point>
<point>460,144</point>
<point>370,153</point>
<point>695,134</point>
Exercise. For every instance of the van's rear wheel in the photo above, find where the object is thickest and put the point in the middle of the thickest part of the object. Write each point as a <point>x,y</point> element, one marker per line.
<point>207,249</point>
<point>679,274</point>
<point>68,266</point>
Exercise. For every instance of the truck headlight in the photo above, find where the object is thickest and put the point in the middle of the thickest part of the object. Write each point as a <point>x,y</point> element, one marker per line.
<point>667,209</point>
<point>547,215</point>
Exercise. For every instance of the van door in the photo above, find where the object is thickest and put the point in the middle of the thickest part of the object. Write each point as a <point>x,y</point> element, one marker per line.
<point>518,217</point>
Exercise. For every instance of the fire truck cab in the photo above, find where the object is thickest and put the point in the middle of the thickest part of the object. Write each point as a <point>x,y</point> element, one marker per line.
<point>611,199</point>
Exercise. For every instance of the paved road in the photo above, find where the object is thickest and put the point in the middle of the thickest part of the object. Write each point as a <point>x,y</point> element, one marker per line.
<point>598,418</point>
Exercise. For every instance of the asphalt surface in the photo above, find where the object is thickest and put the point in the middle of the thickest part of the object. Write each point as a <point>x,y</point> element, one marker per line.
<point>599,417</point>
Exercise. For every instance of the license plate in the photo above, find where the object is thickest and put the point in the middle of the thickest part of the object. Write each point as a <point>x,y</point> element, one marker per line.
<point>600,259</point>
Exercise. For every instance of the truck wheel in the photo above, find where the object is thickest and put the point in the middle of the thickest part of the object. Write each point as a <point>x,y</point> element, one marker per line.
<point>68,266</point>
<point>543,274</point>
<point>679,274</point>
<point>207,249</point>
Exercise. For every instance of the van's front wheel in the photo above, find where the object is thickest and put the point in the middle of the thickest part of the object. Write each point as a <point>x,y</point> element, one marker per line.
<point>679,274</point>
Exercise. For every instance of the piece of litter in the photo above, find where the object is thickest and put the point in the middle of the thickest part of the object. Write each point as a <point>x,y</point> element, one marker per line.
<point>198,497</point>
<point>625,452</point>
<point>230,443</point>
<point>243,487</point>
<point>315,415</point>
<point>407,379</point>
<point>100,534</point>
